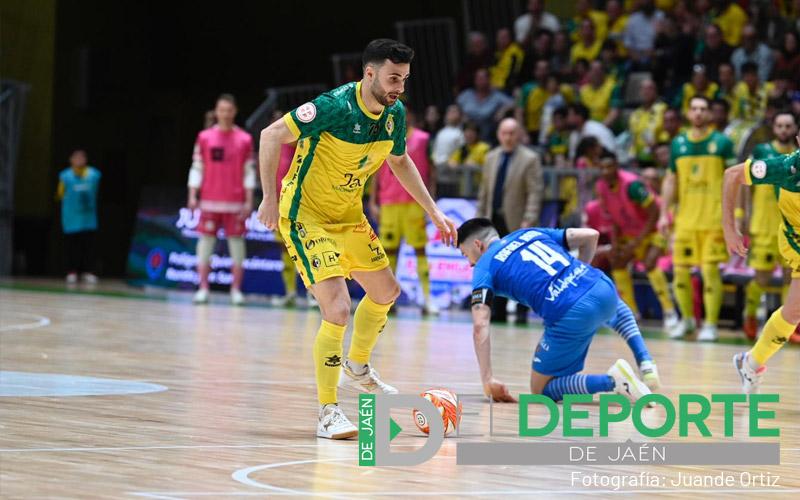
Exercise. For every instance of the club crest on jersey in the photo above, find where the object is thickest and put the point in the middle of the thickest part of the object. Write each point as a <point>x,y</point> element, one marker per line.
<point>307,112</point>
<point>712,148</point>
<point>390,124</point>
<point>759,169</point>
<point>357,128</point>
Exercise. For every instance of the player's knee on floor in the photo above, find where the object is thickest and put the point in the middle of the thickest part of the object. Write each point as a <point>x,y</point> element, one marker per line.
<point>539,381</point>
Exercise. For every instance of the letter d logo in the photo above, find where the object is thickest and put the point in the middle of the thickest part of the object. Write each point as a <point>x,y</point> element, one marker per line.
<point>383,429</point>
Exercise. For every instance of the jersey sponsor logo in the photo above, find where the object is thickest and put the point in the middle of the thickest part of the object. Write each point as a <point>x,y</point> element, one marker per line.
<point>330,258</point>
<point>307,112</point>
<point>559,286</point>
<point>390,124</point>
<point>315,262</point>
<point>759,169</point>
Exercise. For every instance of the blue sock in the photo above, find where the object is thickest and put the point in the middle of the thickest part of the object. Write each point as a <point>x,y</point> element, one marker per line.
<point>577,384</point>
<point>625,325</point>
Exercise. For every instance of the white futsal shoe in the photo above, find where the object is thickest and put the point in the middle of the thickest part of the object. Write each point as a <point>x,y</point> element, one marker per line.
<point>368,382</point>
<point>751,378</point>
<point>671,321</point>
<point>626,383</point>
<point>649,373</point>
<point>682,328</point>
<point>708,333</point>
<point>200,296</point>
<point>237,297</point>
<point>333,424</point>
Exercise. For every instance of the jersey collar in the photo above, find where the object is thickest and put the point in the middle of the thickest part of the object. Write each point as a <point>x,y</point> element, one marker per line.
<point>363,107</point>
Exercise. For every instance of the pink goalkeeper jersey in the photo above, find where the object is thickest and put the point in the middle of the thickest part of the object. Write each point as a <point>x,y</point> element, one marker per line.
<point>390,191</point>
<point>224,156</point>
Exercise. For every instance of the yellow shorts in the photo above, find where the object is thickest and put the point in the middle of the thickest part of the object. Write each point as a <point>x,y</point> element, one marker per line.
<point>322,251</point>
<point>694,248</point>
<point>402,221</point>
<point>764,253</point>
<point>789,252</point>
<point>652,240</point>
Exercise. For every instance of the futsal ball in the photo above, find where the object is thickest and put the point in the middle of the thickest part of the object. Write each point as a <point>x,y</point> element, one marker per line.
<point>446,401</point>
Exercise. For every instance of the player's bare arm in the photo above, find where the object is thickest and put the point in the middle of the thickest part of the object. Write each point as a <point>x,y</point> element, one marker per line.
<point>481,314</point>
<point>734,178</point>
<point>668,198</point>
<point>269,153</point>
<point>584,240</point>
<point>408,175</point>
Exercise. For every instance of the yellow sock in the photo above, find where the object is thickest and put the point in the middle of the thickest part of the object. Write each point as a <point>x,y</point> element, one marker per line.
<point>775,334</point>
<point>682,288</point>
<point>370,318</point>
<point>423,274</point>
<point>712,292</point>
<point>288,274</point>
<point>624,283</point>
<point>752,298</point>
<point>328,360</point>
<point>392,256</point>
<point>658,281</point>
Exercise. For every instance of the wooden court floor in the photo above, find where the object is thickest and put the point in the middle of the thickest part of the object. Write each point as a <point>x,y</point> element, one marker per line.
<point>219,402</point>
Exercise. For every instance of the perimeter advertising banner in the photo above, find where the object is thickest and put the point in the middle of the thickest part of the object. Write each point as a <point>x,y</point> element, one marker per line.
<point>162,253</point>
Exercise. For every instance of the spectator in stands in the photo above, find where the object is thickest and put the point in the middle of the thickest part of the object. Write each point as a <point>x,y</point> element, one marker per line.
<point>751,95</point>
<point>672,123</point>
<point>617,23</point>
<point>727,84</point>
<point>665,66</point>
<point>484,105</point>
<point>720,113</point>
<point>683,44</point>
<point>541,49</point>
<point>731,19</point>
<point>433,119</point>
<point>788,60</point>
<point>640,34</point>
<point>560,62</point>
<point>646,125</point>
<point>478,56</point>
<point>78,187</point>
<point>582,126</point>
<point>535,95</point>
<point>651,177</point>
<point>588,44</point>
<point>609,56</point>
<point>585,11</point>
<point>536,18</point>
<point>473,152</point>
<point>588,153</point>
<point>580,72</point>
<point>713,51</point>
<point>511,192</point>
<point>508,59</point>
<point>557,139</point>
<point>661,154</point>
<point>450,137</point>
<point>752,50</point>
<point>699,85</point>
<point>560,94</point>
<point>602,95</point>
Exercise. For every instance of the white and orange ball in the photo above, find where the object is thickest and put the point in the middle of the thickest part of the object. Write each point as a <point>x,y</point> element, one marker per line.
<point>446,401</point>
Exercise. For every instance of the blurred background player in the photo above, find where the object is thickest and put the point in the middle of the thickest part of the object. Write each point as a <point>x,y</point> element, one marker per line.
<point>765,219</point>
<point>533,266</point>
<point>634,211</point>
<point>77,189</point>
<point>783,173</point>
<point>344,136</point>
<point>399,216</point>
<point>698,160</point>
<point>223,174</point>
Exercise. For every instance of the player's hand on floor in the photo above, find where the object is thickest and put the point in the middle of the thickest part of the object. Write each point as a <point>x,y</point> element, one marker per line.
<point>268,214</point>
<point>446,227</point>
<point>499,392</point>
<point>735,243</point>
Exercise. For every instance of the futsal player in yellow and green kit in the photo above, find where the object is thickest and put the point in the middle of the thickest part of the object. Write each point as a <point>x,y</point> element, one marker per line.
<point>698,160</point>
<point>343,137</point>
<point>765,218</point>
<point>783,174</point>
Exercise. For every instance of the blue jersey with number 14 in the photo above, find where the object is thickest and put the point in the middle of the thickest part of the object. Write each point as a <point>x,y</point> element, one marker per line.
<point>534,267</point>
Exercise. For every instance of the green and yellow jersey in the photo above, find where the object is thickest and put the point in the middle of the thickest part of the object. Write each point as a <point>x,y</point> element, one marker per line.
<point>340,145</point>
<point>700,166</point>
<point>765,217</point>
<point>782,172</point>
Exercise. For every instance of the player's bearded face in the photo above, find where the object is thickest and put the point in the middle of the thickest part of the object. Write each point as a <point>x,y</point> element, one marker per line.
<point>784,128</point>
<point>388,82</point>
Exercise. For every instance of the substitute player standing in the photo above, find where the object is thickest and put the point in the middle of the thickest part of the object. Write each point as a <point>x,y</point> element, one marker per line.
<point>698,160</point>
<point>223,173</point>
<point>344,136</point>
<point>534,266</point>
<point>765,219</point>
<point>783,173</point>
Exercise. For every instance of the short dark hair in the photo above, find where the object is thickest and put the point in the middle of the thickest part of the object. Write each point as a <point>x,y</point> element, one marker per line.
<point>749,67</point>
<point>560,111</point>
<point>722,102</point>
<point>788,113</point>
<point>381,49</point>
<point>579,109</point>
<point>472,227</point>
<point>606,155</point>
<point>470,125</point>
<point>228,98</point>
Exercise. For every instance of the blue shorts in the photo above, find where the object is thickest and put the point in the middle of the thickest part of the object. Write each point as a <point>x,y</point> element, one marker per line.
<point>564,344</point>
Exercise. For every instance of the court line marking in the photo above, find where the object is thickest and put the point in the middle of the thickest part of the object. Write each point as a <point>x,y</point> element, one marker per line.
<point>41,321</point>
<point>173,447</point>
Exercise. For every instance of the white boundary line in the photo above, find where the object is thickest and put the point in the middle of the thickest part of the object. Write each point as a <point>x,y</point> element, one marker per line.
<point>41,321</point>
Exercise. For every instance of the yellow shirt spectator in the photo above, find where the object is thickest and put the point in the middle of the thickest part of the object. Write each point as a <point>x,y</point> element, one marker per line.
<point>533,99</point>
<point>600,100</point>
<point>749,105</point>
<point>590,53</point>
<point>731,22</point>
<point>509,63</point>
<point>688,91</point>
<point>470,154</point>
<point>600,20</point>
<point>646,125</point>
